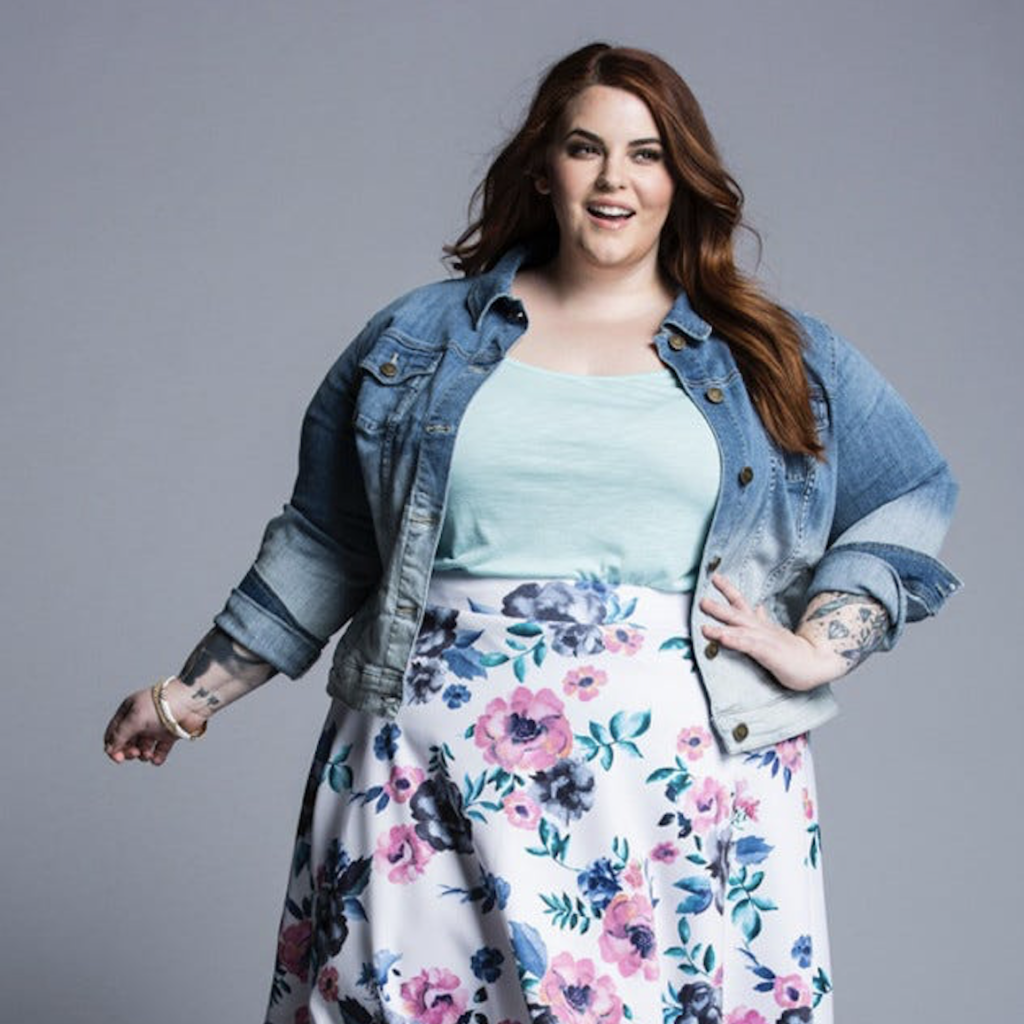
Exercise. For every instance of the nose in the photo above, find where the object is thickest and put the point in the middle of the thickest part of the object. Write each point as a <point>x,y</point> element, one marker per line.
<point>611,176</point>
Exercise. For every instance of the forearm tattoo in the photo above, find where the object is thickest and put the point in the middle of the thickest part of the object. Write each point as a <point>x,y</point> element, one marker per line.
<point>220,670</point>
<point>851,624</point>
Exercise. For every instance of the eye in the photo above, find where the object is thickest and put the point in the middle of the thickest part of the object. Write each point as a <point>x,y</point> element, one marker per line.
<point>649,155</point>
<point>576,148</point>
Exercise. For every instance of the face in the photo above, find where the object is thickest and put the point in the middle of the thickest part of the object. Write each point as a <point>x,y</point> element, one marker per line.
<point>608,153</point>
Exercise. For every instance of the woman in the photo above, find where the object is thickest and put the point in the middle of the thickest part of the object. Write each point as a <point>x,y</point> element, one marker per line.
<point>603,523</point>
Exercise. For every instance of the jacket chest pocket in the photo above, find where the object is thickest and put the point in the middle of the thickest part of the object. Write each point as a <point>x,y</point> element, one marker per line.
<point>797,467</point>
<point>392,374</point>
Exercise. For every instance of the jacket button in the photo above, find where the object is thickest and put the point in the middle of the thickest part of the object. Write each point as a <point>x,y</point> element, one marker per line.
<point>389,369</point>
<point>746,475</point>
<point>677,342</point>
<point>712,648</point>
<point>714,563</point>
<point>741,732</point>
<point>714,395</point>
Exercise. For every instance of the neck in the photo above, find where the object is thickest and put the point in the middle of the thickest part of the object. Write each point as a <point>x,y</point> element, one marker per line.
<point>607,289</point>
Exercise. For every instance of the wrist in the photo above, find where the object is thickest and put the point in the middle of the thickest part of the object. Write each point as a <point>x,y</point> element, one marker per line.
<point>824,649</point>
<point>186,709</point>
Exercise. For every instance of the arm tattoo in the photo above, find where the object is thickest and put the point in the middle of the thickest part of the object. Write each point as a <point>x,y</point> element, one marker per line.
<point>220,670</point>
<point>851,624</point>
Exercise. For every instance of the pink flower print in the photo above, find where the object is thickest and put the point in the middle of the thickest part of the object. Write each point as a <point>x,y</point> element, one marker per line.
<point>402,782</point>
<point>402,854</point>
<point>693,741</point>
<point>790,752</point>
<point>621,637</point>
<point>575,996</point>
<point>741,1015</point>
<point>706,804</point>
<point>527,733</point>
<point>627,939</point>
<point>665,852</point>
<point>633,876</point>
<point>328,983</point>
<point>293,948</point>
<point>521,809</point>
<point>584,682</point>
<point>791,991</point>
<point>434,996</point>
<point>747,805</point>
<point>808,805</point>
<point>302,1016</point>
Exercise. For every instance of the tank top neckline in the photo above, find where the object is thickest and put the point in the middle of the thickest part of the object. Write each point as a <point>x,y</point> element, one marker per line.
<point>564,375</point>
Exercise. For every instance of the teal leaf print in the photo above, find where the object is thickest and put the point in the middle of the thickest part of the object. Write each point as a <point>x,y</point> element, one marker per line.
<point>603,739</point>
<point>812,854</point>
<point>709,959</point>
<point>565,913</point>
<point>555,844</point>
<point>746,916</point>
<point>699,899</point>
<point>339,776</point>
<point>620,847</point>
<point>493,658</point>
<point>629,726</point>
<point>525,629</point>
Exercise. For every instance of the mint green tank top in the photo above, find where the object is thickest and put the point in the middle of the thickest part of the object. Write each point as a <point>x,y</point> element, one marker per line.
<point>581,476</point>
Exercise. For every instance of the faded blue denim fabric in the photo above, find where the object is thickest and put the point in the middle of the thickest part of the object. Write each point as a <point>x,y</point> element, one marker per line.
<point>356,542</point>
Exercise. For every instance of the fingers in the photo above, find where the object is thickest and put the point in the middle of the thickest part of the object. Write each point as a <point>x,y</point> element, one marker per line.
<point>135,733</point>
<point>736,612</point>
<point>733,593</point>
<point>117,721</point>
<point>162,749</point>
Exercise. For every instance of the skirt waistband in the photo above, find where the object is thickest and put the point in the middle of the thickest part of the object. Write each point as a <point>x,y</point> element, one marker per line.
<point>561,598</point>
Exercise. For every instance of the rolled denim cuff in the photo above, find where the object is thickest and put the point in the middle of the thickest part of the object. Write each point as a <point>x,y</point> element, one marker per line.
<point>910,584</point>
<point>279,643</point>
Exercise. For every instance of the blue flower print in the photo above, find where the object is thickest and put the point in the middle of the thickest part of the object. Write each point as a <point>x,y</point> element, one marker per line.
<point>599,882</point>
<point>455,695</point>
<point>385,744</point>
<point>486,963</point>
<point>802,951</point>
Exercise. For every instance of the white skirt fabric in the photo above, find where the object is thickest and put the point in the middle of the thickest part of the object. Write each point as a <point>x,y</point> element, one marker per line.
<point>549,833</point>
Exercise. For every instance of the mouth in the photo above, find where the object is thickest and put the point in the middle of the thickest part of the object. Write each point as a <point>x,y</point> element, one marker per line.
<point>609,213</point>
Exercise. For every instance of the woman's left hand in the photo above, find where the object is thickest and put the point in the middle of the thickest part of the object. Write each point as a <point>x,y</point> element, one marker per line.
<point>795,661</point>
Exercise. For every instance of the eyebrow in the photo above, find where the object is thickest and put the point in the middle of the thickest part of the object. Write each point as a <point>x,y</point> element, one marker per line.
<point>597,138</point>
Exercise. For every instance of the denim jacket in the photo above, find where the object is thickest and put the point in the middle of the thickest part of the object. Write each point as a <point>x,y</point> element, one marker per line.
<point>356,542</point>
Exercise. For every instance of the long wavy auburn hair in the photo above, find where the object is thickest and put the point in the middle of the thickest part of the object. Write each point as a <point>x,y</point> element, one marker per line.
<point>695,249</point>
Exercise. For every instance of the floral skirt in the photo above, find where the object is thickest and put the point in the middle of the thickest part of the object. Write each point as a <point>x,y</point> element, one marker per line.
<point>548,831</point>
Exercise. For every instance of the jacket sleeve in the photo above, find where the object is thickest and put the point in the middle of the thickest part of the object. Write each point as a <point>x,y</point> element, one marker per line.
<point>318,560</point>
<point>895,497</point>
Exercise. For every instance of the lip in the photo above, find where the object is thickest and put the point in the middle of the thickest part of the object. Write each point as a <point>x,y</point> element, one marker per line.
<point>608,202</point>
<point>604,224</point>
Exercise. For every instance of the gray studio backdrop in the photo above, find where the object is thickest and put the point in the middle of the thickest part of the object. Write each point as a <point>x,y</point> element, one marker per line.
<point>203,202</point>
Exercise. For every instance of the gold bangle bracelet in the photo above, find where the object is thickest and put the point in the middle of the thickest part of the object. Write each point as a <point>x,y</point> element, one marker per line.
<point>163,710</point>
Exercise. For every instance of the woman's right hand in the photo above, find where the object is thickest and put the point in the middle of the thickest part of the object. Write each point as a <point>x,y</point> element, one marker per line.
<point>136,732</point>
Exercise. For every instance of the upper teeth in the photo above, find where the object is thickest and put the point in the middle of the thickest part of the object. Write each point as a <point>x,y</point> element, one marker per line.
<point>613,211</point>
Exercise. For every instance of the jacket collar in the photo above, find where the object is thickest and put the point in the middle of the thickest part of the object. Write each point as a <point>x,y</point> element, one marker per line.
<point>496,283</point>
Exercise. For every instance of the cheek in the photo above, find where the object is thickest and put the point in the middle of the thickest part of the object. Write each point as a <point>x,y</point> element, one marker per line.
<point>660,195</point>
